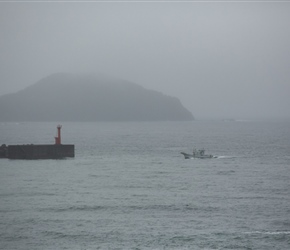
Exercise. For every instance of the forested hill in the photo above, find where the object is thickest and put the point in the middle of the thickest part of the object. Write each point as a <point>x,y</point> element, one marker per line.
<point>69,97</point>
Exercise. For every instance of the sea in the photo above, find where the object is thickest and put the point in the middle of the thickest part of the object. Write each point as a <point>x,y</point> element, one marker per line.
<point>129,187</point>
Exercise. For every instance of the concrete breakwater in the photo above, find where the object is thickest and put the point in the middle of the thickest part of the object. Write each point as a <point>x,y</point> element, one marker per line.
<point>45,151</point>
<point>39,151</point>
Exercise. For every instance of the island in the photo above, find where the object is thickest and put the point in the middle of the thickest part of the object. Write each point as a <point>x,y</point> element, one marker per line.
<point>86,97</point>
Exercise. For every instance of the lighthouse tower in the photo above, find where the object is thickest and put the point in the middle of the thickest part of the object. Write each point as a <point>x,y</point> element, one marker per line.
<point>58,138</point>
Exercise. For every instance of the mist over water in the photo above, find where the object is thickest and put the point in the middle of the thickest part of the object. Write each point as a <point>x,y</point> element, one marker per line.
<point>130,188</point>
<point>221,59</point>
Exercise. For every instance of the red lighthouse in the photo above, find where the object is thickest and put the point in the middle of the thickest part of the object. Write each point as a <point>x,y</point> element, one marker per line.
<point>58,138</point>
<point>41,151</point>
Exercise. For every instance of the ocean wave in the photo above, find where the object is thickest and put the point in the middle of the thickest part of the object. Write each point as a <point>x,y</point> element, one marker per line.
<point>161,207</point>
<point>73,208</point>
<point>269,232</point>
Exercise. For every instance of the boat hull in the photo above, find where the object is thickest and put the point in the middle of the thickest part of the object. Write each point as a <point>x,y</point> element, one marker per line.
<point>191,156</point>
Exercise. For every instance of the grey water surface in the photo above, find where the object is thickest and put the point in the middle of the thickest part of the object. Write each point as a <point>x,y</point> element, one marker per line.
<point>129,187</point>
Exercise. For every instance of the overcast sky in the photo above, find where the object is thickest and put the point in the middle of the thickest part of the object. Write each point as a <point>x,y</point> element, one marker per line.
<point>221,59</point>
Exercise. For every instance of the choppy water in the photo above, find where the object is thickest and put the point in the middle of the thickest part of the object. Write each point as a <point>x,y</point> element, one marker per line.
<point>130,188</point>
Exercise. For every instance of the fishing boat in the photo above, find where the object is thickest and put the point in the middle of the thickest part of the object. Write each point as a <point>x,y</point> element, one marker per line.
<point>197,154</point>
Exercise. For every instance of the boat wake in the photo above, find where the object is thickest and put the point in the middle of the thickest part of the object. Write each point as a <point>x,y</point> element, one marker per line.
<point>224,157</point>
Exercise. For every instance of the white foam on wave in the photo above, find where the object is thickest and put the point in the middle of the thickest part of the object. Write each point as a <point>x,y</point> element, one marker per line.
<point>269,233</point>
<point>224,157</point>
